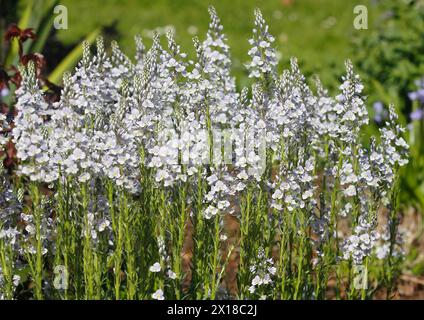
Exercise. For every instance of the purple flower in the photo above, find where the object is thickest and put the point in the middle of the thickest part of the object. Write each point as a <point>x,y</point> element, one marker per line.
<point>417,95</point>
<point>379,111</point>
<point>413,96</point>
<point>4,92</point>
<point>420,83</point>
<point>416,115</point>
<point>378,107</point>
<point>378,118</point>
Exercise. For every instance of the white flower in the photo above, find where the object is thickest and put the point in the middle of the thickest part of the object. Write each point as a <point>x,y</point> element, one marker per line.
<point>16,280</point>
<point>240,186</point>
<point>103,225</point>
<point>158,295</point>
<point>220,186</point>
<point>272,270</point>
<point>114,173</point>
<point>243,175</point>
<point>277,194</point>
<point>365,238</point>
<point>266,279</point>
<point>171,274</point>
<point>84,177</point>
<point>30,228</point>
<point>350,191</point>
<point>78,154</point>
<point>222,205</point>
<point>382,251</point>
<point>155,267</point>
<point>400,142</point>
<point>257,281</point>
<point>161,175</point>
<point>210,212</point>
<point>264,44</point>
<point>307,194</point>
<point>33,150</point>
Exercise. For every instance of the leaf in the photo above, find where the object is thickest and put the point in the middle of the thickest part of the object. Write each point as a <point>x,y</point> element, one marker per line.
<point>44,29</point>
<point>12,55</point>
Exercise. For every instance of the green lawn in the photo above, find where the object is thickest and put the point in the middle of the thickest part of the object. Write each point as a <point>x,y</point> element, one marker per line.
<point>318,32</point>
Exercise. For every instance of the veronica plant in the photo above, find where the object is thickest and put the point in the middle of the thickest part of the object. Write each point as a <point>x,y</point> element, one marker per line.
<point>165,181</point>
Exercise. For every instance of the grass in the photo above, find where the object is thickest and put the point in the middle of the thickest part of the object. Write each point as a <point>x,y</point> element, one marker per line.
<point>317,32</point>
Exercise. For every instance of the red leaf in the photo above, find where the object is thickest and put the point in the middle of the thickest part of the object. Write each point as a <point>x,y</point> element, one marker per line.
<point>16,79</point>
<point>15,32</point>
<point>27,34</point>
<point>12,32</point>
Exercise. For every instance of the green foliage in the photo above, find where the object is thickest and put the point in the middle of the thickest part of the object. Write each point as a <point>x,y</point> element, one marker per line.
<point>317,32</point>
<point>390,54</point>
<point>390,57</point>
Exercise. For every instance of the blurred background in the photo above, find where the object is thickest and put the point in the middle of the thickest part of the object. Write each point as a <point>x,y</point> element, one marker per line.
<point>389,56</point>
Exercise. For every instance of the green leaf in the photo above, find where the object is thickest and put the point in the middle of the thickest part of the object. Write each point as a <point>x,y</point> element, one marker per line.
<point>44,29</point>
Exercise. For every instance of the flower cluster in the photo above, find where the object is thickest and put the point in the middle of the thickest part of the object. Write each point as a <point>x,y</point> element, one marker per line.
<point>263,55</point>
<point>262,273</point>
